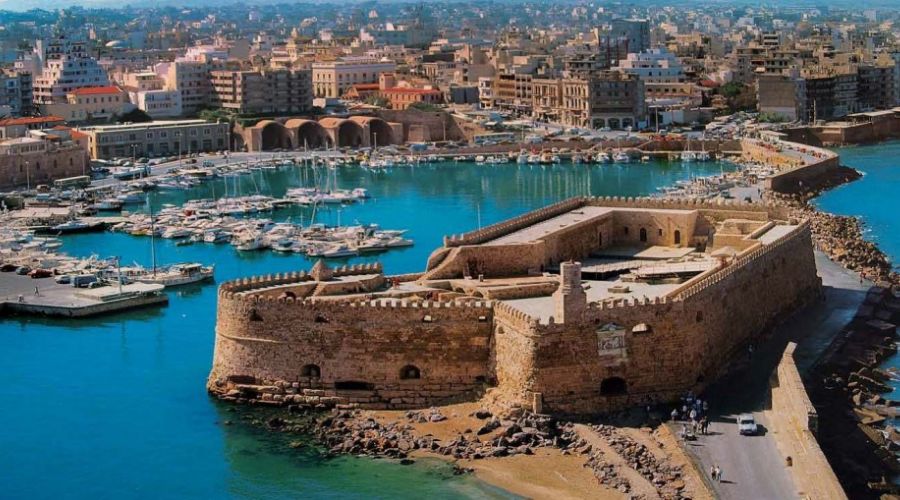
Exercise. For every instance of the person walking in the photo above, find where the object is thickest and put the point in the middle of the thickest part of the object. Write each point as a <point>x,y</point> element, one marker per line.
<point>718,474</point>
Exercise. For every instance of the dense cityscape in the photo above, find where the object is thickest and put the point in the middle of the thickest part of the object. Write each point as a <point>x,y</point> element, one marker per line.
<point>455,249</point>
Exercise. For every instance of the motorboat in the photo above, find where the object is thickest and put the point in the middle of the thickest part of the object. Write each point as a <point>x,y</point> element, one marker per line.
<point>621,157</point>
<point>177,275</point>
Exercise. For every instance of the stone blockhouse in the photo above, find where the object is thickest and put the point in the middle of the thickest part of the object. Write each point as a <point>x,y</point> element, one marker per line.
<point>580,307</point>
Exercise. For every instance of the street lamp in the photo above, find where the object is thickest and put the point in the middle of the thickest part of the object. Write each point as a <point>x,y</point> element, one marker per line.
<point>27,176</point>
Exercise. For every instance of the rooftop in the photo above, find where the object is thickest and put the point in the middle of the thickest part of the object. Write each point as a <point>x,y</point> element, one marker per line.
<point>108,89</point>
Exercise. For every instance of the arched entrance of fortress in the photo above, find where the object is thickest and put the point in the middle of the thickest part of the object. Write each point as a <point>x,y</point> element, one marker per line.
<point>613,386</point>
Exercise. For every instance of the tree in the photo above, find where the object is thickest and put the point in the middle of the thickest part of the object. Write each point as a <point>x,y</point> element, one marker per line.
<point>136,115</point>
<point>424,106</point>
<point>377,100</point>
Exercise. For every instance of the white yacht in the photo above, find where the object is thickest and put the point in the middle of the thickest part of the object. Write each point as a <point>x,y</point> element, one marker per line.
<point>178,274</point>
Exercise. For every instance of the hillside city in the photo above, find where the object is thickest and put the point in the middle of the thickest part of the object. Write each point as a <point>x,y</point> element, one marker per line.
<point>450,249</point>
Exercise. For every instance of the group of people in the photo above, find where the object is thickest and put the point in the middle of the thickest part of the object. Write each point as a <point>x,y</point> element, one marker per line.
<point>694,413</point>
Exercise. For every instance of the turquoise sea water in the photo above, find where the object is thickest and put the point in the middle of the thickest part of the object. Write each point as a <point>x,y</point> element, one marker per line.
<point>876,199</point>
<point>116,407</point>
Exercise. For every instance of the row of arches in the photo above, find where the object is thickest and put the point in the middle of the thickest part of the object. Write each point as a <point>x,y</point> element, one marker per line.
<point>296,133</point>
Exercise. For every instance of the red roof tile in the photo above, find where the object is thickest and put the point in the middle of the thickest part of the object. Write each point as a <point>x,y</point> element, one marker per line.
<point>109,89</point>
<point>30,120</point>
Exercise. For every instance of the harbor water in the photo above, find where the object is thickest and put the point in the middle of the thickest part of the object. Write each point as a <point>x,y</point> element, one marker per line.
<point>116,406</point>
<point>873,198</point>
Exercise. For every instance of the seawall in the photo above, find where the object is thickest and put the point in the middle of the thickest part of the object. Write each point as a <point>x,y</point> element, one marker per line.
<point>795,425</point>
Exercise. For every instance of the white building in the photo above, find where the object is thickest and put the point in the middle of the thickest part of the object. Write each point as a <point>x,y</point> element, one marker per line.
<point>147,91</point>
<point>334,78</point>
<point>67,67</point>
<point>653,66</point>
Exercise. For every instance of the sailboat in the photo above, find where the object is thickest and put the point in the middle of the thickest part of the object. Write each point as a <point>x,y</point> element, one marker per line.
<point>174,275</point>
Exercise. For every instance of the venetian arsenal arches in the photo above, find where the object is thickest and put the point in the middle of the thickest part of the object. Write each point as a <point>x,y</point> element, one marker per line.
<point>328,132</point>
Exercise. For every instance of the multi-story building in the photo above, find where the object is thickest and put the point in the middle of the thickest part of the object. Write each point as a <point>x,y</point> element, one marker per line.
<point>191,80</point>
<point>156,138</point>
<point>91,103</point>
<point>67,67</point>
<point>334,78</point>
<point>147,91</point>
<point>782,96</point>
<point>262,91</point>
<point>512,92</point>
<point>617,101</point>
<point>635,31</point>
<point>15,93</point>
<point>40,157</point>
<point>653,66</point>
<point>876,85</point>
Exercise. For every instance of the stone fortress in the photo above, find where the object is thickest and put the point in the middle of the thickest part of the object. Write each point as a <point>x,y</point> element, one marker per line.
<point>588,305</point>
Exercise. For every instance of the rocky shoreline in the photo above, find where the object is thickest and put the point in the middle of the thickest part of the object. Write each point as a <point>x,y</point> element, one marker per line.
<point>612,455</point>
<point>840,237</point>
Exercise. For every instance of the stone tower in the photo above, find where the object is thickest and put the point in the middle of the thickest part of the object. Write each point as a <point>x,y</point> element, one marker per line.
<point>569,299</point>
<point>321,271</point>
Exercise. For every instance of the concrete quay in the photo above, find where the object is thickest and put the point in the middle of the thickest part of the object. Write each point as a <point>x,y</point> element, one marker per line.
<point>17,296</point>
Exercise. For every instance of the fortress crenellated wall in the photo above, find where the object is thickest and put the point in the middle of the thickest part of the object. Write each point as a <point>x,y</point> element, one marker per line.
<point>669,344</point>
<point>344,350</point>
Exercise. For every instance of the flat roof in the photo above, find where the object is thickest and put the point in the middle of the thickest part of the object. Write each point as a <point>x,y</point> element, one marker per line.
<point>775,233</point>
<point>537,231</point>
<point>597,291</point>
<point>153,124</point>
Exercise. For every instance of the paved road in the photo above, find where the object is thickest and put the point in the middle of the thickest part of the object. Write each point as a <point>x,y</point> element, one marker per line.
<point>752,466</point>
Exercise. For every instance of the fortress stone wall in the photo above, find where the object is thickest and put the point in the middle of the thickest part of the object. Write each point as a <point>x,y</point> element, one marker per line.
<point>670,344</point>
<point>379,343</point>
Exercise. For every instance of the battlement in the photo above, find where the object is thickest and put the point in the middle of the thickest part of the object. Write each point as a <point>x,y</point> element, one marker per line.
<point>505,227</point>
<point>530,306</point>
<point>757,254</point>
<point>229,288</point>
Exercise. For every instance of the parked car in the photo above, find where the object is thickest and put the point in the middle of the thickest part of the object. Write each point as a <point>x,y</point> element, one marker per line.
<point>40,273</point>
<point>64,279</point>
<point>8,268</point>
<point>746,425</point>
<point>23,270</point>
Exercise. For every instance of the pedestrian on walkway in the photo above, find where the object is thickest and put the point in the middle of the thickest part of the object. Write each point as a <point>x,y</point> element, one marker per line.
<point>693,415</point>
<point>37,293</point>
<point>712,472</point>
<point>718,474</point>
<point>674,414</point>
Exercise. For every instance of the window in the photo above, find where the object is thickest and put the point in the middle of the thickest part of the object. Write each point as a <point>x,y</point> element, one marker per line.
<point>643,235</point>
<point>311,371</point>
<point>410,372</point>
<point>677,237</point>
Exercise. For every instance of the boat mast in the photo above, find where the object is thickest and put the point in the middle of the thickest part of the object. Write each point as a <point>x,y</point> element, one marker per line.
<point>152,242</point>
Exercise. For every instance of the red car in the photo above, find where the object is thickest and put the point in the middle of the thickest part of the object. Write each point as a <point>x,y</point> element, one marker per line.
<point>40,273</point>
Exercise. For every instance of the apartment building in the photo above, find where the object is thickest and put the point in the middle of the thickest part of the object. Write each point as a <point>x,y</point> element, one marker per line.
<point>262,91</point>
<point>15,93</point>
<point>147,91</point>
<point>334,78</point>
<point>67,67</point>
